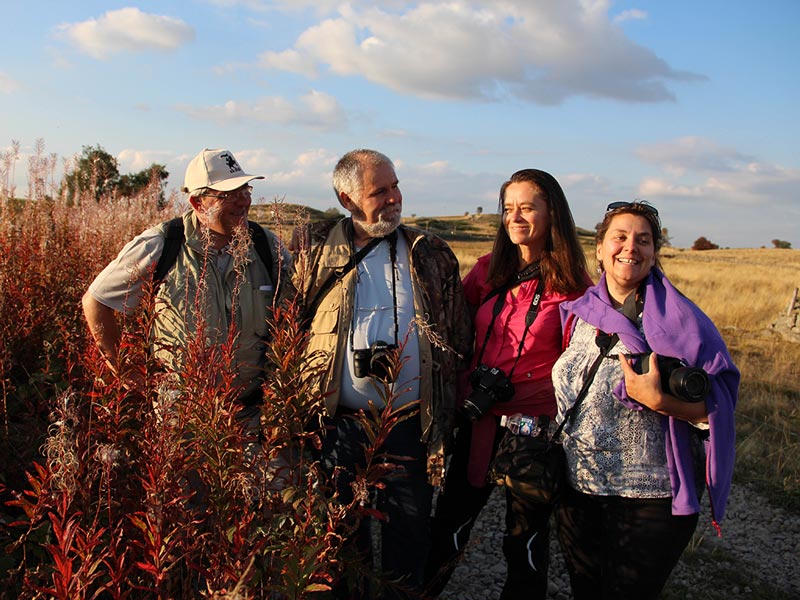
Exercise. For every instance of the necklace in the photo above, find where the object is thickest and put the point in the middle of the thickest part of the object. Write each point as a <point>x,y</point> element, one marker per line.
<point>529,272</point>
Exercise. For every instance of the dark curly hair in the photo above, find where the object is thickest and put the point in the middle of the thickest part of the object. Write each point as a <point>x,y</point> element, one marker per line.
<point>640,208</point>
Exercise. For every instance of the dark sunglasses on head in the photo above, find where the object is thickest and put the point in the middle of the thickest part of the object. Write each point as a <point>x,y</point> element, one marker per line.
<point>621,204</point>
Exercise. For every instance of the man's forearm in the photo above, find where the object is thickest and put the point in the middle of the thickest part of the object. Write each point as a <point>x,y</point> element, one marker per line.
<point>104,327</point>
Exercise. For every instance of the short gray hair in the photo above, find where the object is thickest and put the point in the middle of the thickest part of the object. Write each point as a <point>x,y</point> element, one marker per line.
<point>349,170</point>
<point>198,192</point>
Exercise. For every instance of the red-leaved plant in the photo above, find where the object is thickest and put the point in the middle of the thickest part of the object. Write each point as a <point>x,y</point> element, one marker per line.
<point>143,483</point>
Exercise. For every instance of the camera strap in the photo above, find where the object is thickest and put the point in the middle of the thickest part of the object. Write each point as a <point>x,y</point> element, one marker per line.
<point>338,275</point>
<point>605,342</point>
<point>634,305</point>
<point>631,308</point>
<point>530,316</point>
<point>392,239</point>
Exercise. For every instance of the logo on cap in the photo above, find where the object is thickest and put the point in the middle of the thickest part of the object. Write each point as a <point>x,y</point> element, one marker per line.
<point>231,162</point>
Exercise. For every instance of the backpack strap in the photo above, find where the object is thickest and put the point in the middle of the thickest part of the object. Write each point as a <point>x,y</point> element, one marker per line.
<point>261,244</point>
<point>338,275</point>
<point>175,237</point>
<point>172,245</point>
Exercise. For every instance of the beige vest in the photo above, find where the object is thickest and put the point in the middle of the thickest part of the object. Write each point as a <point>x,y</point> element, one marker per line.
<point>195,304</point>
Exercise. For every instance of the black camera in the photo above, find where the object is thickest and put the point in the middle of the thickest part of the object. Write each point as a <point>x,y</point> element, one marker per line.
<point>489,385</point>
<point>374,361</point>
<point>689,384</point>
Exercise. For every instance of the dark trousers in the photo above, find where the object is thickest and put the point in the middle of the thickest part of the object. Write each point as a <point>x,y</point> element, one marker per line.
<point>526,543</point>
<point>405,498</point>
<point>620,548</point>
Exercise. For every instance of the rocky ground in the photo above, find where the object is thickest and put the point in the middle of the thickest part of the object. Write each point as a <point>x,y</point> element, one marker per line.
<point>757,557</point>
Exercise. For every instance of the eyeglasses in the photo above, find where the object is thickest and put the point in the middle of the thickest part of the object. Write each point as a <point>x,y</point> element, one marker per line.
<point>643,205</point>
<point>245,190</point>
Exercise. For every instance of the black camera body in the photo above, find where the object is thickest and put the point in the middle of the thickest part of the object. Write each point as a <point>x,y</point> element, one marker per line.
<point>374,361</point>
<point>686,383</point>
<point>489,386</point>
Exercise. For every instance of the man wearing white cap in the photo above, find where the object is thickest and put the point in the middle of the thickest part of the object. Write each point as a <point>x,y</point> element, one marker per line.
<point>203,281</point>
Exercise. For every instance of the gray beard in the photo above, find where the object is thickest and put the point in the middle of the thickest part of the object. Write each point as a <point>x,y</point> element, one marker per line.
<point>380,229</point>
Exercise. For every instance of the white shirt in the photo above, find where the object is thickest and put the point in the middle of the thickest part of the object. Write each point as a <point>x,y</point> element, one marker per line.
<point>373,319</point>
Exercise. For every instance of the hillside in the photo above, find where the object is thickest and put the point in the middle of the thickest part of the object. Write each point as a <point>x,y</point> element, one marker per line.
<point>465,228</point>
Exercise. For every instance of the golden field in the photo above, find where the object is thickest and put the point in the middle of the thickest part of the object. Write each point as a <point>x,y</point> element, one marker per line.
<point>743,289</point>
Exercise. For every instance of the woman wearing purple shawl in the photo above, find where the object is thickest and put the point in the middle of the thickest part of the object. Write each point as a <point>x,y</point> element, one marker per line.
<point>639,453</point>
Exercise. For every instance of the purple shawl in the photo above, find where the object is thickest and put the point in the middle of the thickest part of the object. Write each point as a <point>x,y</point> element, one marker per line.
<point>674,326</point>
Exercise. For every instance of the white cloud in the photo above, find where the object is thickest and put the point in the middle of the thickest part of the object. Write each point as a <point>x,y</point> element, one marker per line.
<point>257,5</point>
<point>653,187</point>
<point>289,60</point>
<point>437,167</point>
<point>539,52</point>
<point>585,182</point>
<point>311,170</point>
<point>693,153</point>
<point>699,169</point>
<point>127,29</point>
<point>633,14</point>
<point>7,84</point>
<point>316,110</point>
<point>132,161</point>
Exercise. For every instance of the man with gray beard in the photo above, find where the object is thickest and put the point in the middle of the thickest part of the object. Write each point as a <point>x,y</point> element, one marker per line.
<point>389,327</point>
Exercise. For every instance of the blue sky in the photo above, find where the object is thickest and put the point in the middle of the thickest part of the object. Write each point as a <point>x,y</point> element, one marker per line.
<point>691,105</point>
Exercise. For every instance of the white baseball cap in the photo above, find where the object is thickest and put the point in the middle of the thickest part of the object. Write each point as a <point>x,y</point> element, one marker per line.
<point>217,169</point>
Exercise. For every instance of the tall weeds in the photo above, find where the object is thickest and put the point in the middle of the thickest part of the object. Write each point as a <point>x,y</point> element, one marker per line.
<point>155,490</point>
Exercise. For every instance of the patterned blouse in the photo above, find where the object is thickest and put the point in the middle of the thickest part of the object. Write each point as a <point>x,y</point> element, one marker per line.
<point>611,450</point>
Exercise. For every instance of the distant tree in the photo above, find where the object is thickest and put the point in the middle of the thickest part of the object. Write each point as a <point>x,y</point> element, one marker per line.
<point>466,213</point>
<point>95,173</point>
<point>152,179</point>
<point>479,210</point>
<point>782,244</point>
<point>332,213</point>
<point>665,237</point>
<point>702,243</point>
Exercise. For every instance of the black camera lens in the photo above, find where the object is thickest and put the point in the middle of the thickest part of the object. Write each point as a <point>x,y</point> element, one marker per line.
<point>477,404</point>
<point>489,386</point>
<point>375,361</point>
<point>689,384</point>
<point>381,360</point>
<point>361,359</point>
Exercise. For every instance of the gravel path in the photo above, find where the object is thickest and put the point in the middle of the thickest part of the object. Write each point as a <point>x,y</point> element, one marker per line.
<point>757,557</point>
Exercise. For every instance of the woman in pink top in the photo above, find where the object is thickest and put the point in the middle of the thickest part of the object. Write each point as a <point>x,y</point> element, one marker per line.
<point>514,294</point>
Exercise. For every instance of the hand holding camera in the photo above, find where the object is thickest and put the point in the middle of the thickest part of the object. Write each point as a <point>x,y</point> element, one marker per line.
<point>686,383</point>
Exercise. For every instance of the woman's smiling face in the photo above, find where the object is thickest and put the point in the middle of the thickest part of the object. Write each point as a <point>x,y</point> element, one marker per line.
<point>627,254</point>
<point>526,216</point>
